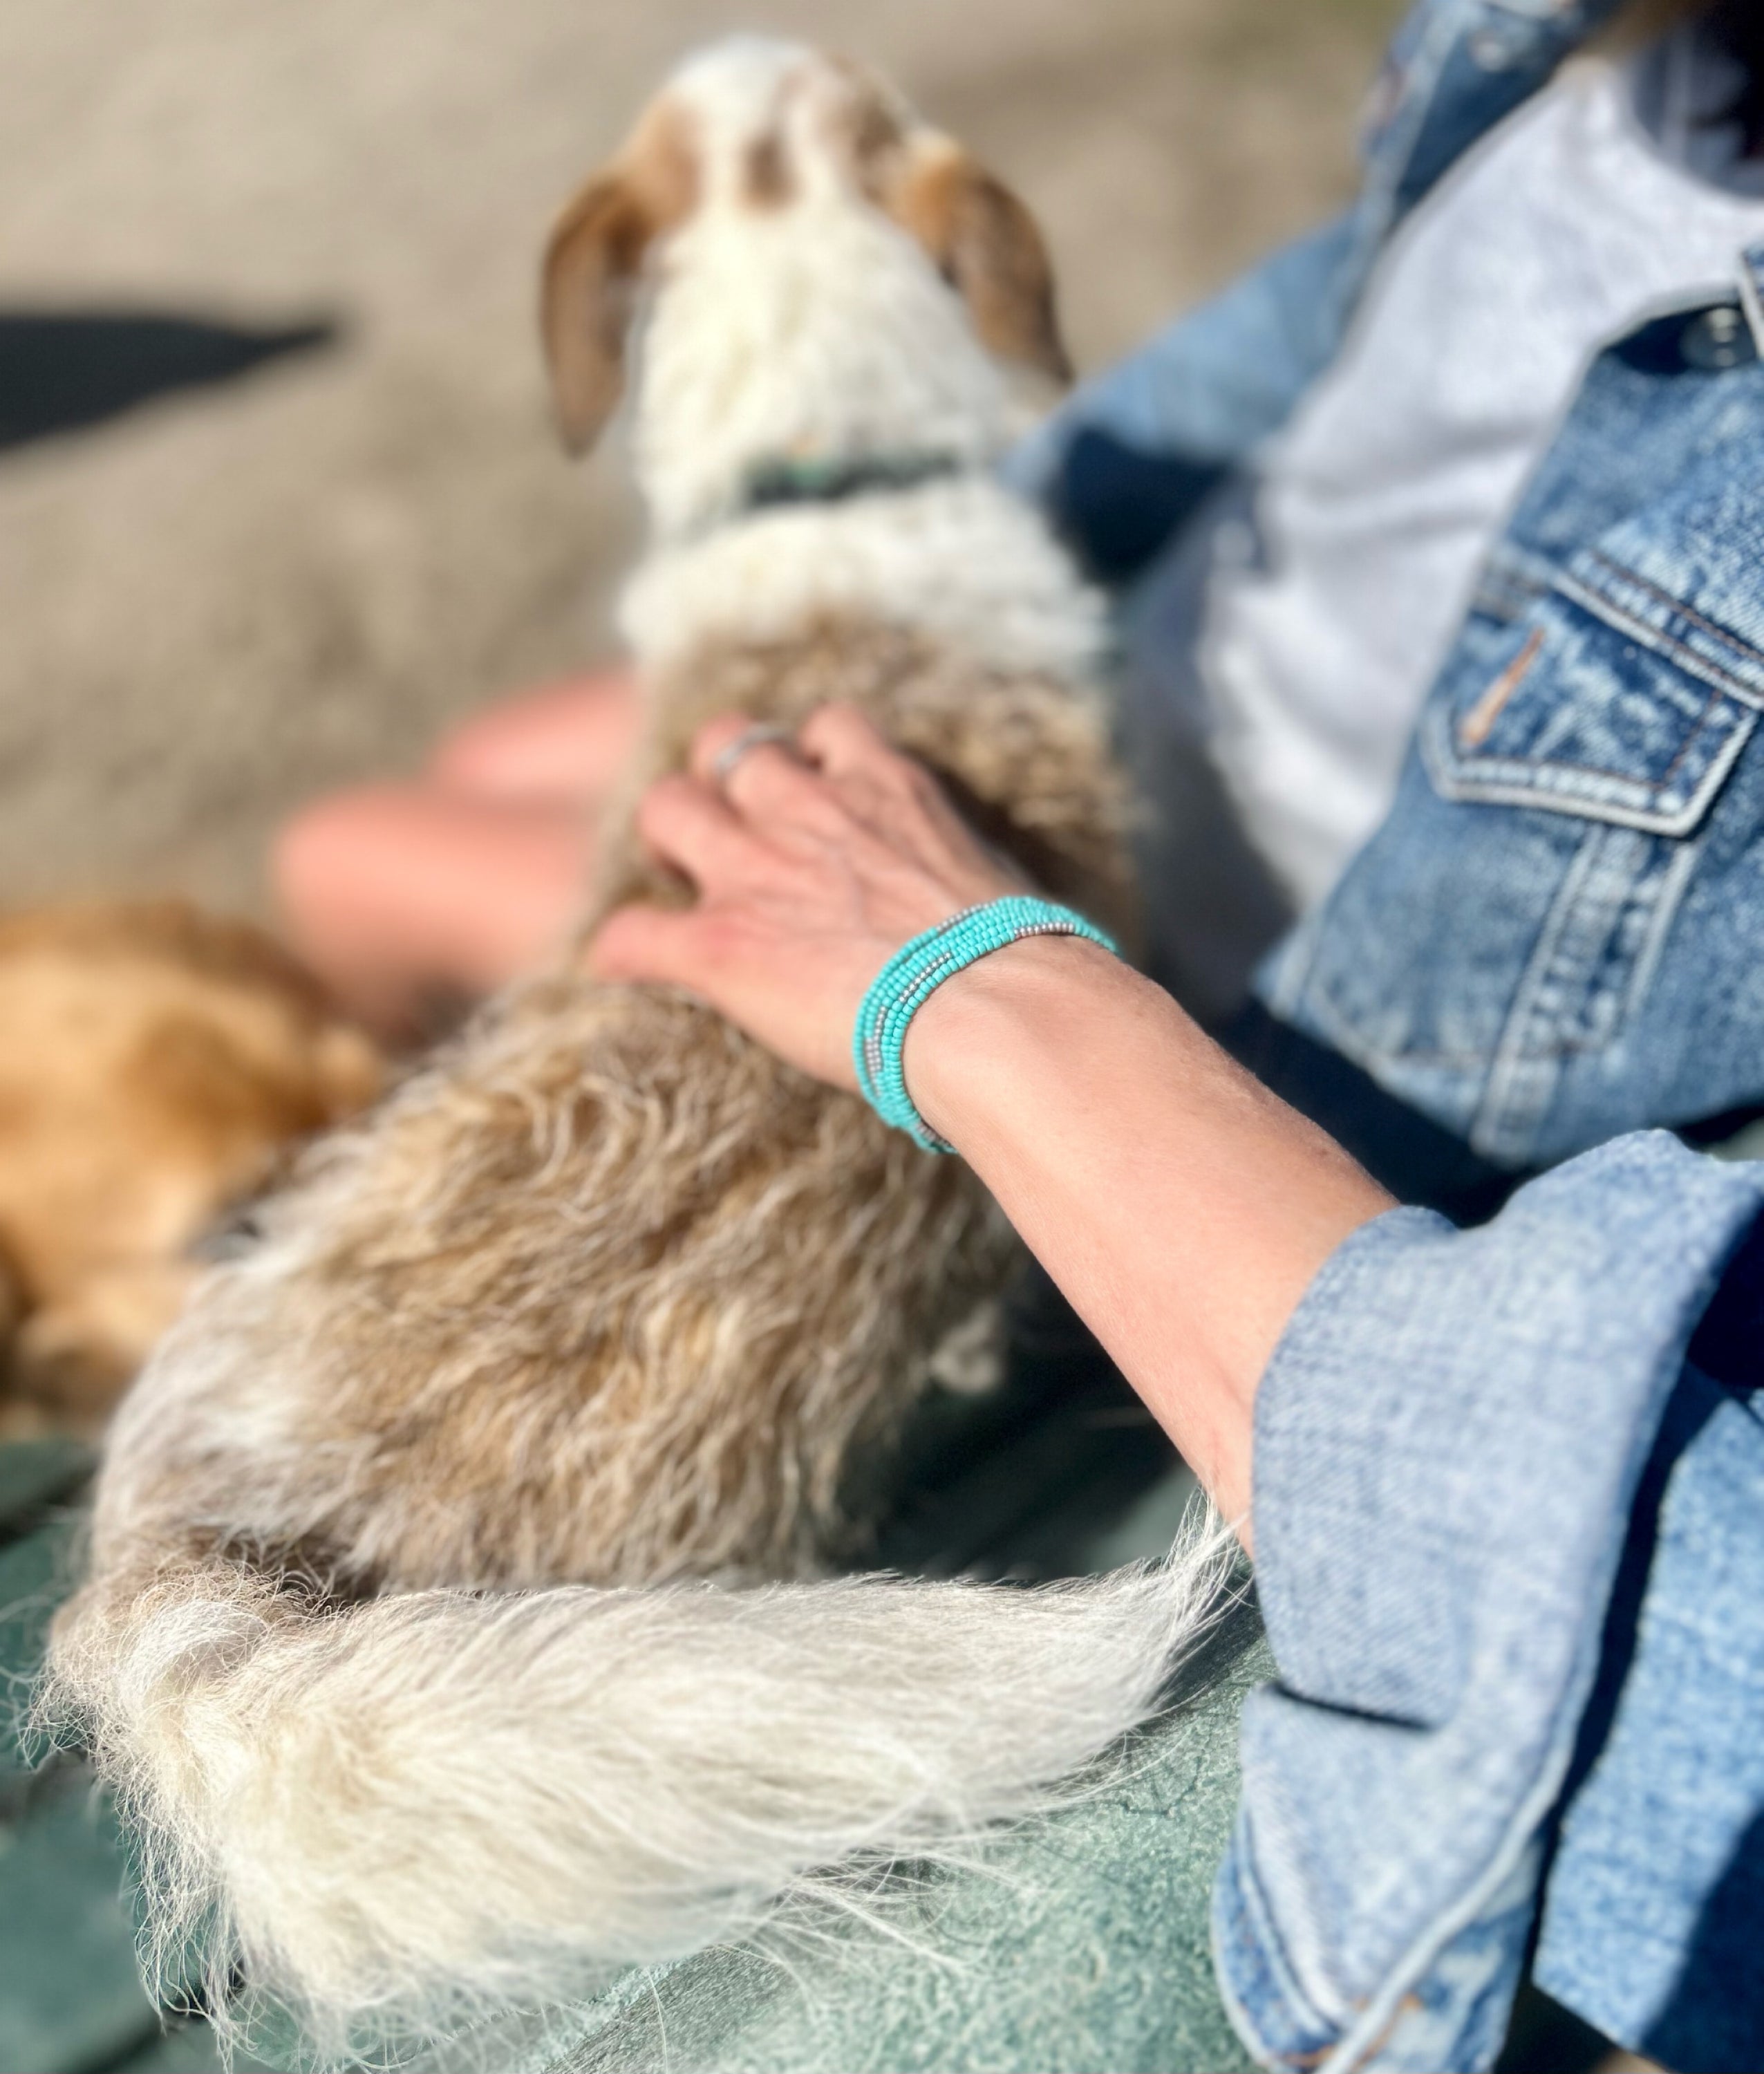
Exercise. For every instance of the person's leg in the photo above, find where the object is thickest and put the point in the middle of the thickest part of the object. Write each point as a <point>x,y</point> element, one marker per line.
<point>398,895</point>
<point>568,740</point>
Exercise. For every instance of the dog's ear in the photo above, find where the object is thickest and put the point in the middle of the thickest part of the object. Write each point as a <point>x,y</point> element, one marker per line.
<point>989,248</point>
<point>589,293</point>
<point>594,268</point>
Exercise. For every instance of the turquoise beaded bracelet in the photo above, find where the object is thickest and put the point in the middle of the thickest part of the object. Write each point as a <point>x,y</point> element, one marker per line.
<point>915,971</point>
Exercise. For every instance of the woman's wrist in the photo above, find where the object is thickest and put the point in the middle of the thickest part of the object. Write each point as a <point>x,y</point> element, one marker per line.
<point>1182,1208</point>
<point>922,965</point>
<point>967,1044</point>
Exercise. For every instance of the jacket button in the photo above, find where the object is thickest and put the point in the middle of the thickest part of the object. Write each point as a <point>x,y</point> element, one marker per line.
<point>1717,339</point>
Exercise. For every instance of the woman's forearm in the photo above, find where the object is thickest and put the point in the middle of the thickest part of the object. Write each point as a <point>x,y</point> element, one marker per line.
<point>1182,1208</point>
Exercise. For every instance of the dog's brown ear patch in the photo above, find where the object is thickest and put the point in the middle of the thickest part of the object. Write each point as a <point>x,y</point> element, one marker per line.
<point>594,267</point>
<point>987,244</point>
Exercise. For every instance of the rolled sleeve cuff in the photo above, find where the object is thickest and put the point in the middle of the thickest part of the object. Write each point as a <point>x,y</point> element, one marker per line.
<point>1447,1440</point>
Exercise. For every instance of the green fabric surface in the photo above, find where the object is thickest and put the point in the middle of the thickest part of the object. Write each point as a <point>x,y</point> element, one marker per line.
<point>187,2048</point>
<point>34,1474</point>
<point>34,1575</point>
<point>1081,1945</point>
<point>70,1995</point>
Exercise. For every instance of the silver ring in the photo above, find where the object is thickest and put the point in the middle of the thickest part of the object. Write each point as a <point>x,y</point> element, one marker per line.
<point>723,764</point>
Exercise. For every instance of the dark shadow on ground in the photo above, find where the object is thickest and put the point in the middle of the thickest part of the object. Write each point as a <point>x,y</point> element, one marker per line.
<point>62,370</point>
<point>1021,1481</point>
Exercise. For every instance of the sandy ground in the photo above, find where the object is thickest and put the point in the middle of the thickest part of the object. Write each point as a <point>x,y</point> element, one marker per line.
<point>225,600</point>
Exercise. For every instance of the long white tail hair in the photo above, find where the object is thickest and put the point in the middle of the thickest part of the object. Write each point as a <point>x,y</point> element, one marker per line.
<point>392,1816</point>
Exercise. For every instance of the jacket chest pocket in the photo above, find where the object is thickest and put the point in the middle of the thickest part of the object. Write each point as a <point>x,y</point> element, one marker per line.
<point>1504,922</point>
<point>1607,700</point>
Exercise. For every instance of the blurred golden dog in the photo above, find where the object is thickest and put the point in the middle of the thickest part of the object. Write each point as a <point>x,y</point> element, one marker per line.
<point>155,1062</point>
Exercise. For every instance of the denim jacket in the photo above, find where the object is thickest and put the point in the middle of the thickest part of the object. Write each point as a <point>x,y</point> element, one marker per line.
<point>1557,934</point>
<point>1508,1492</point>
<point>1509,1497</point>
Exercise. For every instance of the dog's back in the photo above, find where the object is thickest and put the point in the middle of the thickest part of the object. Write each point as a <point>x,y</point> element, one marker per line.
<point>607,1294</point>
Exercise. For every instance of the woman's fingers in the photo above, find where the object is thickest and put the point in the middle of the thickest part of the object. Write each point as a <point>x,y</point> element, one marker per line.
<point>712,738</point>
<point>768,783</point>
<point>773,788</point>
<point>688,825</point>
<point>871,779</point>
<point>658,945</point>
<point>721,756</point>
<point>811,872</point>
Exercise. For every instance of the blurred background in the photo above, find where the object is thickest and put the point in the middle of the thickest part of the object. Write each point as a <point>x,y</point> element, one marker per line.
<point>278,495</point>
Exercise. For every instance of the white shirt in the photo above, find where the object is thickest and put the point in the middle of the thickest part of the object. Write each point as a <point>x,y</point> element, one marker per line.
<point>1379,503</point>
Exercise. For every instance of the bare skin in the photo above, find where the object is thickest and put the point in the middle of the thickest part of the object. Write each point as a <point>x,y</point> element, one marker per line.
<point>1182,1208</point>
<point>400,895</point>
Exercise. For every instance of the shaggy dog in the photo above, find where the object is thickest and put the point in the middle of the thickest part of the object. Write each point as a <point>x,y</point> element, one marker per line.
<point>155,1063</point>
<point>390,1643</point>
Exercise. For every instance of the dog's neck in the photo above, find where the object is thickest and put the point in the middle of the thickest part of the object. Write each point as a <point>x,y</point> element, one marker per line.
<point>819,336</point>
<point>957,559</point>
<point>815,430</point>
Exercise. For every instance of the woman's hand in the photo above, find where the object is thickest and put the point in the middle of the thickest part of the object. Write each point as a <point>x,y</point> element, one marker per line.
<point>811,868</point>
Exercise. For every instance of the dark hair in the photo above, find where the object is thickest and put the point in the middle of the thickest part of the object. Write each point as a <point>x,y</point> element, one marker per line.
<point>1739,24</point>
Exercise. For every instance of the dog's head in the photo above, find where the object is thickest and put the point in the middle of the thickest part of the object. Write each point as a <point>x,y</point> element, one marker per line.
<point>821,276</point>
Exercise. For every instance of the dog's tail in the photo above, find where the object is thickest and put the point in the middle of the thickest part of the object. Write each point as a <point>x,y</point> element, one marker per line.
<point>388,1815</point>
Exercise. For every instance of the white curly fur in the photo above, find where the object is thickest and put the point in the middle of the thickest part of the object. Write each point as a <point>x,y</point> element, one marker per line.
<point>377,1648</point>
<point>1018,605</point>
<point>396,1816</point>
